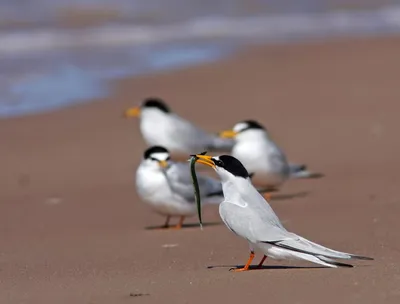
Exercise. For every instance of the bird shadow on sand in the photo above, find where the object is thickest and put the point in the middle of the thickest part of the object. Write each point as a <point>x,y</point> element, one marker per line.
<point>288,196</point>
<point>280,267</point>
<point>184,226</point>
<point>269,267</point>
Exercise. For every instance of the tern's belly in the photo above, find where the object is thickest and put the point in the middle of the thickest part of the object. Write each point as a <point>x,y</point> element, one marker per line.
<point>162,201</point>
<point>155,136</point>
<point>166,208</point>
<point>153,189</point>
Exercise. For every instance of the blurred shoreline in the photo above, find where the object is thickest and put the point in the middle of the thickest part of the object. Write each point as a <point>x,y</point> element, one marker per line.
<point>72,56</point>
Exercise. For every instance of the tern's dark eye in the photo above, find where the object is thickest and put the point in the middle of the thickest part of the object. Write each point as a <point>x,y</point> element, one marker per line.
<point>153,158</point>
<point>218,162</point>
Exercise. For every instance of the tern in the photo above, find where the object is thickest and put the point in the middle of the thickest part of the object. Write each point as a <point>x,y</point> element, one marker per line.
<point>167,186</point>
<point>160,126</point>
<point>259,154</point>
<point>247,214</point>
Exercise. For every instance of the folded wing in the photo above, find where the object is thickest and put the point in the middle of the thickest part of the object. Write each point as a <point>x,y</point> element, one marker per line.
<point>181,182</point>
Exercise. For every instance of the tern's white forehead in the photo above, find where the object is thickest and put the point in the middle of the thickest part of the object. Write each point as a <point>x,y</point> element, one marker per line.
<point>159,156</point>
<point>240,126</point>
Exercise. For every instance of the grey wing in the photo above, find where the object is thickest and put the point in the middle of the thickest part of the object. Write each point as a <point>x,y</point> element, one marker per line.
<point>180,180</point>
<point>192,135</point>
<point>278,159</point>
<point>256,222</point>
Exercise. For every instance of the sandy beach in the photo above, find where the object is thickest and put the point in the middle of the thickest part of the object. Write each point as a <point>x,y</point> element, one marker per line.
<point>72,228</point>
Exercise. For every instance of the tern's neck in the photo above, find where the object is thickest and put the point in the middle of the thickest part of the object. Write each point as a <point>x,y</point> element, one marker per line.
<point>234,188</point>
<point>153,115</point>
<point>253,136</point>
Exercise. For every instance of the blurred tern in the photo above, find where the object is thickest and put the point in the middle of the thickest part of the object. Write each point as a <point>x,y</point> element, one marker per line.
<point>261,156</point>
<point>247,214</point>
<point>167,186</point>
<point>160,126</point>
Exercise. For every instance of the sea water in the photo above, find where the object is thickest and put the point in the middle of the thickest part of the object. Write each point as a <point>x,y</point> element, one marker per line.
<point>55,53</point>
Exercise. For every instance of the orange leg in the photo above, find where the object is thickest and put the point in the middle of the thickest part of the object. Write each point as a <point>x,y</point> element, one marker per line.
<point>179,225</point>
<point>246,267</point>
<point>167,226</point>
<point>262,261</point>
<point>267,196</point>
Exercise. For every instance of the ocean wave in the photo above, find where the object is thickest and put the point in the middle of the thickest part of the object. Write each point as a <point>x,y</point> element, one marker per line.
<point>49,68</point>
<point>44,85</point>
<point>267,27</point>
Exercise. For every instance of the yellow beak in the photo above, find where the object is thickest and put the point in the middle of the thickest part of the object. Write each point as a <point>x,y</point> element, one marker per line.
<point>163,163</point>
<point>205,160</point>
<point>228,134</point>
<point>132,112</point>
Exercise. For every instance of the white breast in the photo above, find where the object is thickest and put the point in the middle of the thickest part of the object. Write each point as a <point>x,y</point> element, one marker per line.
<point>156,128</point>
<point>152,186</point>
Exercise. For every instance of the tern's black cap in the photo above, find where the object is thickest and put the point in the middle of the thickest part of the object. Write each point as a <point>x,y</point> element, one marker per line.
<point>154,149</point>
<point>252,124</point>
<point>232,165</point>
<point>155,102</point>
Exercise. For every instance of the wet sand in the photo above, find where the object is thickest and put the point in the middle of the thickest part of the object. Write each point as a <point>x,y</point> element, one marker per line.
<point>72,229</point>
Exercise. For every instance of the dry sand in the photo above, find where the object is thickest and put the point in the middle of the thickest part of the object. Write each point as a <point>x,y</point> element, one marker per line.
<point>72,229</point>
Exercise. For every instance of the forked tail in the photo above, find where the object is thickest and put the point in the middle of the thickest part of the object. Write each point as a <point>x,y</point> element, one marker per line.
<point>300,171</point>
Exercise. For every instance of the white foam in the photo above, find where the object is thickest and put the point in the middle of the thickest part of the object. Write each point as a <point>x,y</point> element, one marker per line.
<point>267,27</point>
